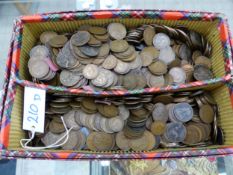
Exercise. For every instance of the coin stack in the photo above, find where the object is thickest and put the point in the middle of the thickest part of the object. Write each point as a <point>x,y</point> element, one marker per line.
<point>112,58</point>
<point>137,123</point>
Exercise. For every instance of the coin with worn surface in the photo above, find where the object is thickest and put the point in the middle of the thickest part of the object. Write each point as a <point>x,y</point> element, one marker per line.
<point>116,124</point>
<point>167,55</point>
<point>206,113</point>
<point>72,141</point>
<point>156,81</point>
<point>201,73</point>
<point>58,41</point>
<point>148,35</point>
<point>204,61</point>
<point>139,144</point>
<point>178,74</point>
<point>70,120</point>
<point>163,98</point>
<point>123,112</point>
<point>110,62</point>
<point>39,51</point>
<point>39,69</point>
<point>122,142</point>
<point>68,78</point>
<point>101,80</point>
<point>161,41</point>
<point>80,38</point>
<point>158,127</point>
<point>160,112</point>
<point>158,68</point>
<point>56,127</point>
<point>50,138</point>
<point>90,71</point>
<point>97,30</point>
<point>89,51</point>
<point>122,67</point>
<point>117,31</point>
<point>46,36</point>
<point>194,134</point>
<point>119,45</point>
<point>183,112</point>
<point>151,141</point>
<point>175,132</point>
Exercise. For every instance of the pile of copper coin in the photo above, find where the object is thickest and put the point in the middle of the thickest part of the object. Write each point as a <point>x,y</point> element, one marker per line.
<point>116,57</point>
<point>132,123</point>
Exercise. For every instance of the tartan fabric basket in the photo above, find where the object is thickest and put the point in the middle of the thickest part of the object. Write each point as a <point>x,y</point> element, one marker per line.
<point>26,31</point>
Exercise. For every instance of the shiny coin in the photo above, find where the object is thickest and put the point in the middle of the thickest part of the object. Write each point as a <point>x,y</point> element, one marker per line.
<point>206,113</point>
<point>80,38</point>
<point>161,41</point>
<point>178,75</point>
<point>167,55</point>
<point>117,31</point>
<point>201,73</point>
<point>90,71</point>
<point>183,112</point>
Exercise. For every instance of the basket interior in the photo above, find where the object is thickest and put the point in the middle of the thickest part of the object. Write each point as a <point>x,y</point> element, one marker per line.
<point>219,92</point>
<point>209,29</point>
<point>32,31</point>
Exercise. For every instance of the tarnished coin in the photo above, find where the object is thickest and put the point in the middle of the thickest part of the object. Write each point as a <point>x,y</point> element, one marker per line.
<point>122,142</point>
<point>201,73</point>
<point>156,81</point>
<point>39,51</point>
<point>90,71</point>
<point>204,61</point>
<point>122,67</point>
<point>147,58</point>
<point>116,124</point>
<point>46,36</point>
<point>163,98</point>
<point>148,35</point>
<point>39,69</point>
<point>70,120</point>
<point>175,132</point>
<point>89,51</point>
<point>139,144</point>
<point>158,68</point>
<point>160,112</point>
<point>58,41</point>
<point>178,74</point>
<point>89,104</point>
<point>117,31</point>
<point>161,41</point>
<point>72,141</point>
<point>194,134</point>
<point>206,113</point>
<point>50,138</point>
<point>56,127</point>
<point>167,55</point>
<point>151,141</point>
<point>68,78</point>
<point>158,127</point>
<point>97,30</point>
<point>183,112</point>
<point>119,45</point>
<point>80,38</point>
<point>110,62</point>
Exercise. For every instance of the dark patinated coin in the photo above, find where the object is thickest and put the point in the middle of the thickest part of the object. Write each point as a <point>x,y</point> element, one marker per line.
<point>80,38</point>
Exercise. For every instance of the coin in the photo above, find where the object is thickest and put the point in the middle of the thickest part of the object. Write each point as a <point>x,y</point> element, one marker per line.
<point>101,80</point>
<point>117,31</point>
<point>90,71</point>
<point>119,45</point>
<point>56,127</point>
<point>70,120</point>
<point>72,141</point>
<point>39,69</point>
<point>122,142</point>
<point>161,40</point>
<point>97,30</point>
<point>158,68</point>
<point>110,62</point>
<point>116,124</point>
<point>148,35</point>
<point>39,51</point>
<point>139,144</point>
<point>156,81</point>
<point>163,98</point>
<point>46,36</point>
<point>201,73</point>
<point>80,38</point>
<point>167,55</point>
<point>89,50</point>
<point>122,67</point>
<point>206,113</point>
<point>175,132</point>
<point>158,127</point>
<point>183,112</point>
<point>123,112</point>
<point>50,138</point>
<point>160,112</point>
<point>68,78</point>
<point>203,61</point>
<point>178,75</point>
<point>58,41</point>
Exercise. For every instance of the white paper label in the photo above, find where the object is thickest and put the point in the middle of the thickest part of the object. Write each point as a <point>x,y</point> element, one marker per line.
<point>34,109</point>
